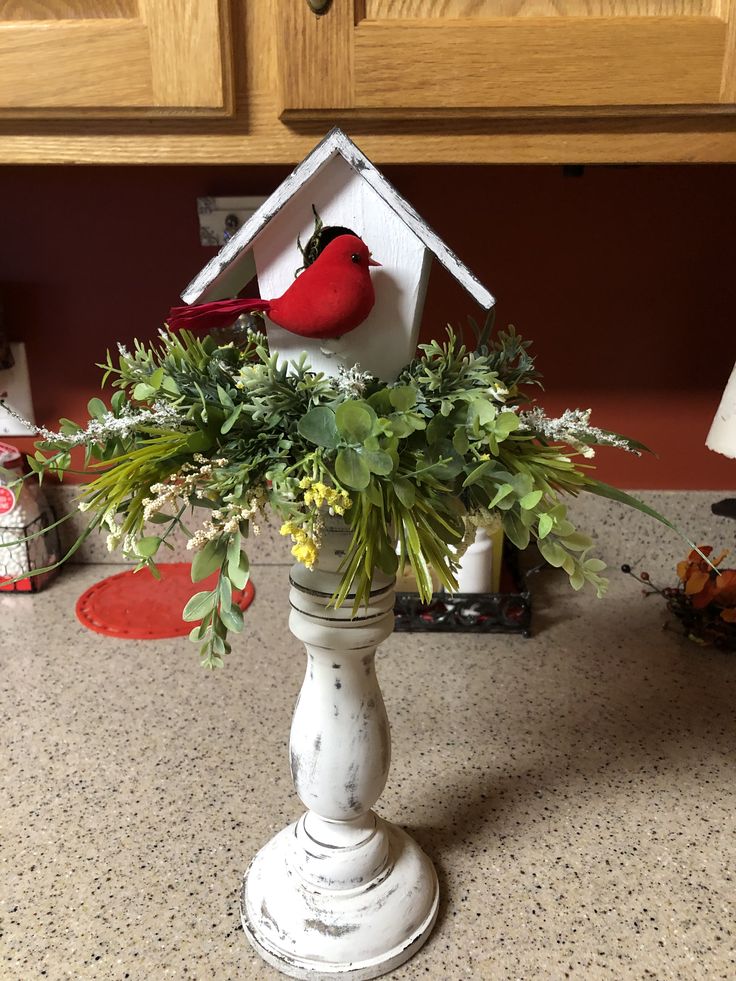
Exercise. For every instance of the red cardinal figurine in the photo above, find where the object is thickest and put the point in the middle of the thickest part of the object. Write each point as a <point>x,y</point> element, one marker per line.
<point>331,297</point>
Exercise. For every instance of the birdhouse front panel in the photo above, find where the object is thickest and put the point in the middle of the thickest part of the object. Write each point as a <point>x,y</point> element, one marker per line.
<point>386,341</point>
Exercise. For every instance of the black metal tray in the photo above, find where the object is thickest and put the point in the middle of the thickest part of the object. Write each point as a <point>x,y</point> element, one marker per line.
<point>506,612</point>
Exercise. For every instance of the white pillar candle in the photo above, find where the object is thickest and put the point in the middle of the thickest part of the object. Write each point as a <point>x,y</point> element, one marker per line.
<point>722,435</point>
<point>475,574</point>
<point>480,566</point>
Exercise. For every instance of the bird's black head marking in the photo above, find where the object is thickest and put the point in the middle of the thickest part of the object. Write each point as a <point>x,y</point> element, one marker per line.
<point>320,239</point>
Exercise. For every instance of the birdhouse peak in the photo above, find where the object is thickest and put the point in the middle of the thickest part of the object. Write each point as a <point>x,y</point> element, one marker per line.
<point>233,264</point>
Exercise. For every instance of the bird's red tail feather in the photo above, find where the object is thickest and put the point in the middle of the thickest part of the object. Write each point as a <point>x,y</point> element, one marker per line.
<point>209,316</point>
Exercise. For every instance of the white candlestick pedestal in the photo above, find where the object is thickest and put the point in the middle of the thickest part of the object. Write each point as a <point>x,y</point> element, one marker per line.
<point>341,893</point>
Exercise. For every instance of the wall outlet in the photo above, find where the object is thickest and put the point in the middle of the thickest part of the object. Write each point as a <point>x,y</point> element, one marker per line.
<point>15,388</point>
<point>220,218</point>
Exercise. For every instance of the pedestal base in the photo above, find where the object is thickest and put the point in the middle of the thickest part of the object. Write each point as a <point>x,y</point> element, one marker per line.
<point>322,933</point>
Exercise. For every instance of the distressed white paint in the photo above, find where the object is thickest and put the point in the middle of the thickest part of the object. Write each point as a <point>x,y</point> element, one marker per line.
<point>340,893</point>
<point>386,341</point>
<point>722,434</point>
<point>229,271</point>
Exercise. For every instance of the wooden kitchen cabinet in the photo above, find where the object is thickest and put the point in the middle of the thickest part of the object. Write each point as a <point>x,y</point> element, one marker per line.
<point>114,57</point>
<point>449,57</point>
<point>430,81</point>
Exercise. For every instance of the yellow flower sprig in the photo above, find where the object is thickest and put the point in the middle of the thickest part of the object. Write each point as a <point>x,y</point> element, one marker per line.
<point>306,535</point>
<point>305,548</point>
<point>318,494</point>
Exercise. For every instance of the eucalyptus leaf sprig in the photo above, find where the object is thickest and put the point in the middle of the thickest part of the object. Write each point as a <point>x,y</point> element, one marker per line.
<point>219,432</point>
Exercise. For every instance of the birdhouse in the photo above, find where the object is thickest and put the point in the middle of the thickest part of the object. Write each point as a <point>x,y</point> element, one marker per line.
<point>338,182</point>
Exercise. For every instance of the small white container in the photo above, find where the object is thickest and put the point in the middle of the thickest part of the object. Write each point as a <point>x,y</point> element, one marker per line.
<point>480,567</point>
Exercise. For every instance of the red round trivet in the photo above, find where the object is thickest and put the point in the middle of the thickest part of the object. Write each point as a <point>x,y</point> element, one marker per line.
<point>135,605</point>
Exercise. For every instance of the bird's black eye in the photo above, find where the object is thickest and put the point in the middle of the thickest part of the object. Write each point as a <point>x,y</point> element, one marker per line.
<point>355,257</point>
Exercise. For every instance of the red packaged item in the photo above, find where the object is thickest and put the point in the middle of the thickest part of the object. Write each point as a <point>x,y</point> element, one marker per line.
<point>24,512</point>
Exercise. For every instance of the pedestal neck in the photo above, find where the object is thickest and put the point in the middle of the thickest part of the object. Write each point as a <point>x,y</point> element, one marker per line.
<point>340,742</point>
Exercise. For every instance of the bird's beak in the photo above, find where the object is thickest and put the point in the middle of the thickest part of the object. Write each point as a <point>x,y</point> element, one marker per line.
<point>372,262</point>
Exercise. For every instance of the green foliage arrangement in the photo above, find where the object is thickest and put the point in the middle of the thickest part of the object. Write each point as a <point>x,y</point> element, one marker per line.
<point>222,431</point>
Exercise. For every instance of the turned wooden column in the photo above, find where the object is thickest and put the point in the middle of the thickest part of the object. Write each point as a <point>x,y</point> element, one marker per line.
<point>340,893</point>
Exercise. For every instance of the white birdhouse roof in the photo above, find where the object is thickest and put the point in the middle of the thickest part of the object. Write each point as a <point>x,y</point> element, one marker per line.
<point>233,266</point>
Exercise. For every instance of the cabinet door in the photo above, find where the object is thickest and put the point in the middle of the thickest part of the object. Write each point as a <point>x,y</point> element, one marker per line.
<point>114,57</point>
<point>494,56</point>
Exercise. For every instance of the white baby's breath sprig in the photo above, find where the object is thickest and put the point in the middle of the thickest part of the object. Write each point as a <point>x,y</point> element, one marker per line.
<point>352,381</point>
<point>227,519</point>
<point>191,480</point>
<point>572,427</point>
<point>109,426</point>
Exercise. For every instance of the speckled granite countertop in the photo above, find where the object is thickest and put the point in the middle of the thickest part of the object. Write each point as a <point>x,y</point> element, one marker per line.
<point>575,790</point>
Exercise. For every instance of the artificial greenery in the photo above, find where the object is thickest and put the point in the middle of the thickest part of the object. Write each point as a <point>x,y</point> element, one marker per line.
<point>220,431</point>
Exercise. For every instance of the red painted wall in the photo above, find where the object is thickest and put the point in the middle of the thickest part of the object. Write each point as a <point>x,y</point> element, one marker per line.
<point>625,277</point>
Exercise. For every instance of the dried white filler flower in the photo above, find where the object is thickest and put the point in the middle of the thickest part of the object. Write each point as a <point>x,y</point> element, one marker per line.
<point>572,427</point>
<point>161,415</point>
<point>352,381</point>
